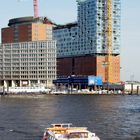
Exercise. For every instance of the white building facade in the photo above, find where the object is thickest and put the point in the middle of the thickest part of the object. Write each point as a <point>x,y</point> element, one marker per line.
<point>28,63</point>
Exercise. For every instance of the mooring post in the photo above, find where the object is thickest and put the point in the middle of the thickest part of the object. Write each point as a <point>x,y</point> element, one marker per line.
<point>137,89</point>
<point>131,88</point>
<point>3,90</point>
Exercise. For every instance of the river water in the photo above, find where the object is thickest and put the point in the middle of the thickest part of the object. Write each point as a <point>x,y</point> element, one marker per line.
<point>110,117</point>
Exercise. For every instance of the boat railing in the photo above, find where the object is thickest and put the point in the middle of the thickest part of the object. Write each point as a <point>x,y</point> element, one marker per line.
<point>62,125</point>
<point>78,128</point>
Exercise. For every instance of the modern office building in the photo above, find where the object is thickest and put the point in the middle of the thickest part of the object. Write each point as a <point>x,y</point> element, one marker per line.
<point>92,24</point>
<point>28,63</point>
<point>26,29</point>
<point>67,39</point>
<point>27,52</point>
<point>87,54</point>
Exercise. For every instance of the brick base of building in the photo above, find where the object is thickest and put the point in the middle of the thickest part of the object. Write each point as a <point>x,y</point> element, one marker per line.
<point>88,65</point>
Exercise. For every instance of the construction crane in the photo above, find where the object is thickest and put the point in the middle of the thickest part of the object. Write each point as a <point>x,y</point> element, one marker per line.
<point>35,8</point>
<point>35,5</point>
<point>108,38</point>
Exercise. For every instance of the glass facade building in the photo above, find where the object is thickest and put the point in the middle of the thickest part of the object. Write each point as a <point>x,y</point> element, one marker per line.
<point>67,39</point>
<point>92,26</point>
<point>96,35</point>
<point>89,35</point>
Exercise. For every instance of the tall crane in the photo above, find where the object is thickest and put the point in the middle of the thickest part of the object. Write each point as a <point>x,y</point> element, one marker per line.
<point>108,37</point>
<point>35,8</point>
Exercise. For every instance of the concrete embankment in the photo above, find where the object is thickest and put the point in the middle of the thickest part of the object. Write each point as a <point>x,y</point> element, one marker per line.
<point>40,95</point>
<point>24,95</point>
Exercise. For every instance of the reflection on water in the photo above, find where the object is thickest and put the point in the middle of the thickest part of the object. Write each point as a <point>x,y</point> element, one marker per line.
<point>111,117</point>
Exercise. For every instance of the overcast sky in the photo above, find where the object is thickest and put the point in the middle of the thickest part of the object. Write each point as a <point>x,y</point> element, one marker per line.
<point>64,11</point>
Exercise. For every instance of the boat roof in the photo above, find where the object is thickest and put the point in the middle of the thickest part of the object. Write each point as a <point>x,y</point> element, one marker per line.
<point>76,130</point>
<point>61,124</point>
<point>65,129</point>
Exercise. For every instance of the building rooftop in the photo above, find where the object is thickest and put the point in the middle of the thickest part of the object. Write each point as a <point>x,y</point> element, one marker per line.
<point>30,19</point>
<point>69,25</point>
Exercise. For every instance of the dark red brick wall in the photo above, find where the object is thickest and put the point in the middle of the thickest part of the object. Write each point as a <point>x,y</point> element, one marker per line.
<point>88,65</point>
<point>85,65</point>
<point>21,34</point>
<point>7,35</point>
<point>64,66</point>
<point>24,33</point>
<point>82,65</point>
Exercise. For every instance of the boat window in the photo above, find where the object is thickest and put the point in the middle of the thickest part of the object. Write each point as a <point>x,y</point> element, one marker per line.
<point>78,135</point>
<point>58,125</point>
<point>65,136</point>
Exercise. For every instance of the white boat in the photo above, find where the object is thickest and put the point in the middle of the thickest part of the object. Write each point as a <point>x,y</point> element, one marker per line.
<point>29,89</point>
<point>66,132</point>
<point>58,92</point>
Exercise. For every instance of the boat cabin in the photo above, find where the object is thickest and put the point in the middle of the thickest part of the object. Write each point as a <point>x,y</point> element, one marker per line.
<point>65,132</point>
